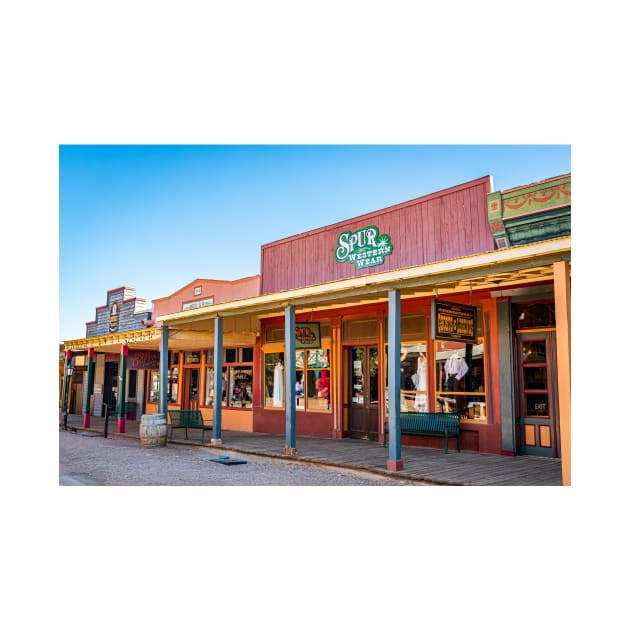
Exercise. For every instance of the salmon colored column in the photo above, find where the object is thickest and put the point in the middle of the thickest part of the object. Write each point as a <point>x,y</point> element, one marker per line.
<point>562,291</point>
<point>337,380</point>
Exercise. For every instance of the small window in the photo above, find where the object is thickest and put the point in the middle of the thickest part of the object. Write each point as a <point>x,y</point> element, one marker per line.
<point>192,357</point>
<point>541,315</point>
<point>360,330</point>
<point>247,355</point>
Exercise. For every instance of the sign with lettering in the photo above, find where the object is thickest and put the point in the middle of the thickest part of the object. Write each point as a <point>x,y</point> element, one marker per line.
<point>307,335</point>
<point>363,248</point>
<point>454,322</point>
<point>186,306</point>
<point>114,316</point>
<point>143,360</point>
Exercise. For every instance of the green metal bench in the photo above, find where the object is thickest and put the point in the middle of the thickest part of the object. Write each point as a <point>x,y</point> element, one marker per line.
<point>430,423</point>
<point>187,419</point>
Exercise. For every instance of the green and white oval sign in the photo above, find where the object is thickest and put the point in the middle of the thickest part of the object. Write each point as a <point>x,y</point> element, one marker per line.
<point>363,248</point>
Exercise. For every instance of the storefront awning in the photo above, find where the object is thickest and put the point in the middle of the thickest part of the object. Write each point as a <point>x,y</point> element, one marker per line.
<point>492,270</point>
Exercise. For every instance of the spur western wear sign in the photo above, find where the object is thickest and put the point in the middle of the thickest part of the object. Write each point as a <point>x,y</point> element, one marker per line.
<point>363,248</point>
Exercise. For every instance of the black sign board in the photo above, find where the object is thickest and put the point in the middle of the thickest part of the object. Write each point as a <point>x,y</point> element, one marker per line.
<point>454,322</point>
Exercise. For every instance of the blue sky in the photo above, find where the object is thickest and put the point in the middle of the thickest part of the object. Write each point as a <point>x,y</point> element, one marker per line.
<point>156,217</point>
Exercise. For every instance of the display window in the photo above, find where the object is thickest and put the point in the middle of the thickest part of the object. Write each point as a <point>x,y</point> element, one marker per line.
<point>460,379</point>
<point>312,380</point>
<point>274,379</point>
<point>173,378</point>
<point>413,377</point>
<point>154,386</point>
<point>317,392</point>
<point>237,377</point>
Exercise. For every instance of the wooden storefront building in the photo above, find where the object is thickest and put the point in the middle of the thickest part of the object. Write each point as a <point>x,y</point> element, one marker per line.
<point>469,286</point>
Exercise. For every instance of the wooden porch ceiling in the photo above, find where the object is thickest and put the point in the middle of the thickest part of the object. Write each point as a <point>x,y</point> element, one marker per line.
<point>511,267</point>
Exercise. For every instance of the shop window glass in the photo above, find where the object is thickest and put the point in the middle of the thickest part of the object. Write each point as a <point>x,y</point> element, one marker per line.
<point>537,405</point>
<point>413,377</point>
<point>540,315</point>
<point>154,386</point>
<point>192,357</point>
<point>246,355</point>
<point>460,379</point>
<point>318,379</point>
<point>237,378</point>
<point>534,351</point>
<point>312,380</point>
<point>133,383</point>
<point>239,388</point>
<point>274,379</point>
<point>208,398</point>
<point>173,380</point>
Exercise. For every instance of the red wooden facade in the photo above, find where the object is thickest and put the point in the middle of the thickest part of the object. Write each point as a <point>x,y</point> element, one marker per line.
<point>421,231</point>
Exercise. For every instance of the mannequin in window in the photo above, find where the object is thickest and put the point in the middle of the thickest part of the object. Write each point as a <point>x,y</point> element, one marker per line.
<point>278,385</point>
<point>322,384</point>
<point>419,380</point>
<point>455,369</point>
<point>299,391</point>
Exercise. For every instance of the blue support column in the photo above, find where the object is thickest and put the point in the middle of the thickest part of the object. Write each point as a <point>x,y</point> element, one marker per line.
<point>289,372</point>
<point>218,381</point>
<point>393,379</point>
<point>163,393</point>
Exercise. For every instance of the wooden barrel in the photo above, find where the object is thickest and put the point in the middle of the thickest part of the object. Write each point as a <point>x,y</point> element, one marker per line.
<point>153,430</point>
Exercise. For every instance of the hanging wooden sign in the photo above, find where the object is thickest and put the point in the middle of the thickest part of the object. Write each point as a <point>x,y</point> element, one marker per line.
<point>454,322</point>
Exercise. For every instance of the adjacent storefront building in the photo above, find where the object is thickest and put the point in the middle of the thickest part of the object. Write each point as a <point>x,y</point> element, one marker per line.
<point>477,321</point>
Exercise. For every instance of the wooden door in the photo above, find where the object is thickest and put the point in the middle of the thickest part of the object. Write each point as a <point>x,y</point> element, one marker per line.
<point>363,392</point>
<point>191,389</point>
<point>537,394</point>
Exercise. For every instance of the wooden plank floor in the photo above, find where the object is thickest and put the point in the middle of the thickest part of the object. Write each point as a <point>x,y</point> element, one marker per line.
<point>422,464</point>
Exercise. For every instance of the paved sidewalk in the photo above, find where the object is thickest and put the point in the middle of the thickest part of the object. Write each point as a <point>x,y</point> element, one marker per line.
<point>422,464</point>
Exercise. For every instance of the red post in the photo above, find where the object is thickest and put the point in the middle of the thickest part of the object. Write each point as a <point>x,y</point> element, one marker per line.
<point>122,405</point>
<point>87,411</point>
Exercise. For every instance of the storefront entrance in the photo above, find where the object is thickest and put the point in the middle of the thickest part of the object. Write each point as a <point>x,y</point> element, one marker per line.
<point>538,427</point>
<point>363,392</point>
<point>110,389</point>
<point>191,389</point>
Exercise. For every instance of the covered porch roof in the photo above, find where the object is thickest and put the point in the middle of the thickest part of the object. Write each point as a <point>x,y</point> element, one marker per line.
<point>492,270</point>
<point>192,329</point>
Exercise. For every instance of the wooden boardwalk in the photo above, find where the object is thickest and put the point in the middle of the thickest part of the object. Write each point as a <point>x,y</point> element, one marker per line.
<point>430,465</point>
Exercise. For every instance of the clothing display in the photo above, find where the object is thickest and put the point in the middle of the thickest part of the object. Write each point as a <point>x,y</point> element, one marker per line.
<point>456,366</point>
<point>322,384</point>
<point>455,369</point>
<point>419,380</point>
<point>278,385</point>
